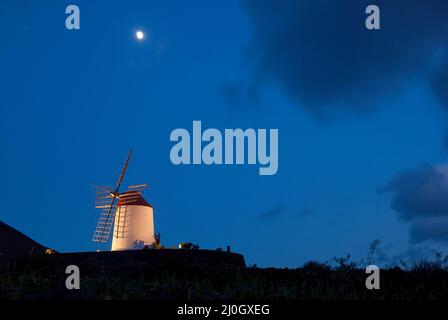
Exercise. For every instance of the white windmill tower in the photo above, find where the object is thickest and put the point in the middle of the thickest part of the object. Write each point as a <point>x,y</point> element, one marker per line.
<point>128,213</point>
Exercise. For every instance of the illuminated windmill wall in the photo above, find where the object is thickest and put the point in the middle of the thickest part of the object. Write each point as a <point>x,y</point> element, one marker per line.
<point>134,222</point>
<point>129,215</point>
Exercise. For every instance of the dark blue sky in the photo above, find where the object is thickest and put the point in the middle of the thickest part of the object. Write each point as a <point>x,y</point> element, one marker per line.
<point>361,117</point>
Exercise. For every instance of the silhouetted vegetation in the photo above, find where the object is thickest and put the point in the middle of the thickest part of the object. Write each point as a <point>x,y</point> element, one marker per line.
<point>339,279</point>
<point>188,245</point>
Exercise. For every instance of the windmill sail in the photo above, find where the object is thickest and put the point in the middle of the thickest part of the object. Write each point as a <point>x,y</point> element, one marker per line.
<point>106,220</point>
<point>129,197</point>
<point>120,222</point>
<point>103,196</point>
<point>138,187</point>
<point>126,216</point>
<point>104,226</point>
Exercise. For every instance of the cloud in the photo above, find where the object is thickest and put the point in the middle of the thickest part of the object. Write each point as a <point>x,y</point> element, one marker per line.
<point>424,229</point>
<point>419,192</point>
<point>238,96</point>
<point>283,210</point>
<point>416,253</point>
<point>323,57</point>
<point>419,196</point>
<point>439,80</point>
<point>303,213</point>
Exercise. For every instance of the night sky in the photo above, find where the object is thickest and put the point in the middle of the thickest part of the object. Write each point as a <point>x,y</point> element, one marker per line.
<point>362,118</point>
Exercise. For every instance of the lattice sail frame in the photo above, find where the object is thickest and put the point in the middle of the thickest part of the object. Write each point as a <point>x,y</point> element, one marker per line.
<point>103,196</point>
<point>104,199</point>
<point>106,221</point>
<point>105,224</point>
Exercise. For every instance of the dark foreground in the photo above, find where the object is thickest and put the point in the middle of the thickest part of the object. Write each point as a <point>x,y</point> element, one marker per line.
<point>140,279</point>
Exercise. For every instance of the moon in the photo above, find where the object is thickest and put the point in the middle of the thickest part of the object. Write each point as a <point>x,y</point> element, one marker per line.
<point>139,35</point>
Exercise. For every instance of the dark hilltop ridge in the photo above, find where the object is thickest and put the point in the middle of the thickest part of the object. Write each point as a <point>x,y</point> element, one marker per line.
<point>14,244</point>
<point>28,271</point>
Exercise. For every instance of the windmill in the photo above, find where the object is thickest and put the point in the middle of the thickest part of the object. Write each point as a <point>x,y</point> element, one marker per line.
<point>129,215</point>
